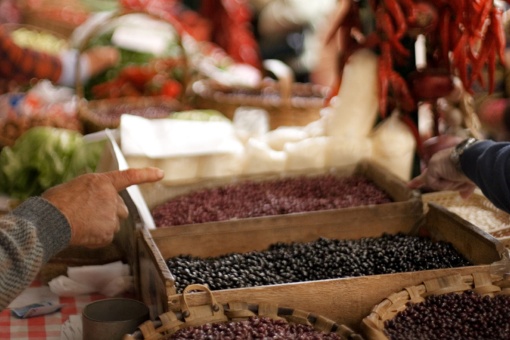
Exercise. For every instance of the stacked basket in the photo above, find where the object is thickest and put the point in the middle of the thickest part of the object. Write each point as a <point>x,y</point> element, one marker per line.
<point>101,113</point>
<point>448,305</point>
<point>203,317</point>
<point>288,103</point>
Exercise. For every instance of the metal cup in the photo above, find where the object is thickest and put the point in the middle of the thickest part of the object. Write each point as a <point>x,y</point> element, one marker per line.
<point>111,319</point>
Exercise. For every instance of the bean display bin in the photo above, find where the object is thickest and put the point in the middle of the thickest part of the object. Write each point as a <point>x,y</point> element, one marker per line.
<point>344,300</point>
<point>404,200</point>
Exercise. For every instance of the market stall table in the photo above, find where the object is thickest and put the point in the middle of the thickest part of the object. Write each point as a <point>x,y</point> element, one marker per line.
<point>44,327</point>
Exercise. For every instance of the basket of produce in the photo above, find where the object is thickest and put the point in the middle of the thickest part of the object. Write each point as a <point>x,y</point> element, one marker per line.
<point>476,209</point>
<point>238,320</point>
<point>35,38</point>
<point>42,105</point>
<point>38,38</point>
<point>287,102</point>
<point>474,306</point>
<point>151,74</point>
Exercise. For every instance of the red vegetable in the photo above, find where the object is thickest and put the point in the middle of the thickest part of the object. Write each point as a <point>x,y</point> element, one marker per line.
<point>171,88</point>
<point>430,84</point>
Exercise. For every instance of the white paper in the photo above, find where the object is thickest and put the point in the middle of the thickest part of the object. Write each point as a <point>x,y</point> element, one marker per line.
<point>72,328</point>
<point>141,40</point>
<point>163,138</point>
<point>109,279</point>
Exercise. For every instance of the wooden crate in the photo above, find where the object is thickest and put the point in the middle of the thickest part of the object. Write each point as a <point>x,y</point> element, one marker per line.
<point>345,300</point>
<point>404,199</point>
<point>476,209</point>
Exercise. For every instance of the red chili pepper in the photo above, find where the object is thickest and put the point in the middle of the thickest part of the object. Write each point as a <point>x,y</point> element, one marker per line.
<point>171,88</point>
<point>407,7</point>
<point>385,26</point>
<point>477,24</point>
<point>401,92</point>
<point>498,30</point>
<point>398,17</point>
<point>460,61</point>
<point>487,46</point>
<point>445,16</point>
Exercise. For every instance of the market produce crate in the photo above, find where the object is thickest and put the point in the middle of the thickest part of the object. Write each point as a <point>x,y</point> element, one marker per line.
<point>444,307</point>
<point>404,201</point>
<point>476,209</point>
<point>191,319</point>
<point>344,300</point>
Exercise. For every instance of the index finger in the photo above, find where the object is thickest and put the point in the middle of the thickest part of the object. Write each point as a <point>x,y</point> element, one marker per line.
<point>417,182</point>
<point>125,178</point>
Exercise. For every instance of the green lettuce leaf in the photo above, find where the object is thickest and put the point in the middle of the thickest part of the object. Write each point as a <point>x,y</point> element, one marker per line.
<point>44,157</point>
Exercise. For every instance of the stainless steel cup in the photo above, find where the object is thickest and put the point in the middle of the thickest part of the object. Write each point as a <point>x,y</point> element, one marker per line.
<point>111,319</point>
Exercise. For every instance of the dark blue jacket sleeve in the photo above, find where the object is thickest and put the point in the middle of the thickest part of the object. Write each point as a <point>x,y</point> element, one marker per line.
<point>487,164</point>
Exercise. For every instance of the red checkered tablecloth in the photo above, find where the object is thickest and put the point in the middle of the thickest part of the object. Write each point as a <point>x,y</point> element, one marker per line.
<point>43,327</point>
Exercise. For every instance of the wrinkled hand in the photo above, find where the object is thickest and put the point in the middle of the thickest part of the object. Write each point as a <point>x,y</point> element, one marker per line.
<point>441,174</point>
<point>92,204</point>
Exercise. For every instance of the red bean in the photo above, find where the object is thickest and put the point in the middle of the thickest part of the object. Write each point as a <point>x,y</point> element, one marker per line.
<point>266,198</point>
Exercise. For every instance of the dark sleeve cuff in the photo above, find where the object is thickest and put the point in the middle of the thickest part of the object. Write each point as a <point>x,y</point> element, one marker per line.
<point>487,163</point>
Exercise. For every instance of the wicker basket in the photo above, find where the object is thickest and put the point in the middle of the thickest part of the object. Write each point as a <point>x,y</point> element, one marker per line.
<point>92,110</point>
<point>288,103</point>
<point>213,312</point>
<point>476,209</point>
<point>97,115</point>
<point>60,44</point>
<point>480,282</point>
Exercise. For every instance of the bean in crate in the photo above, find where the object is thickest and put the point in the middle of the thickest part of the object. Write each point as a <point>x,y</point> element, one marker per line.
<point>246,199</point>
<point>322,259</point>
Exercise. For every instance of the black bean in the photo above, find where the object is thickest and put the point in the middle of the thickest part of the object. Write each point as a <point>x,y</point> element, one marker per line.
<point>319,260</point>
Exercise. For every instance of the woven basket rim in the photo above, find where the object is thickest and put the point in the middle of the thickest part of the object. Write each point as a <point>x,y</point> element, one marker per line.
<point>484,283</point>
<point>209,89</point>
<point>238,311</point>
<point>89,110</point>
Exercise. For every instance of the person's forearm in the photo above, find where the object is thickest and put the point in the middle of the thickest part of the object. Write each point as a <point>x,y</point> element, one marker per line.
<point>487,164</point>
<point>29,236</point>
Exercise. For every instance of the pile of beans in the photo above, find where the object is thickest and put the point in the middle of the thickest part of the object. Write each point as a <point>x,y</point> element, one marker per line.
<point>267,198</point>
<point>319,260</point>
<point>253,328</point>
<point>462,316</point>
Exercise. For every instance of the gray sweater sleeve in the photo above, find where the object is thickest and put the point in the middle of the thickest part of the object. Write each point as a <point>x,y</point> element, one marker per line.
<point>29,236</point>
<point>487,164</point>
